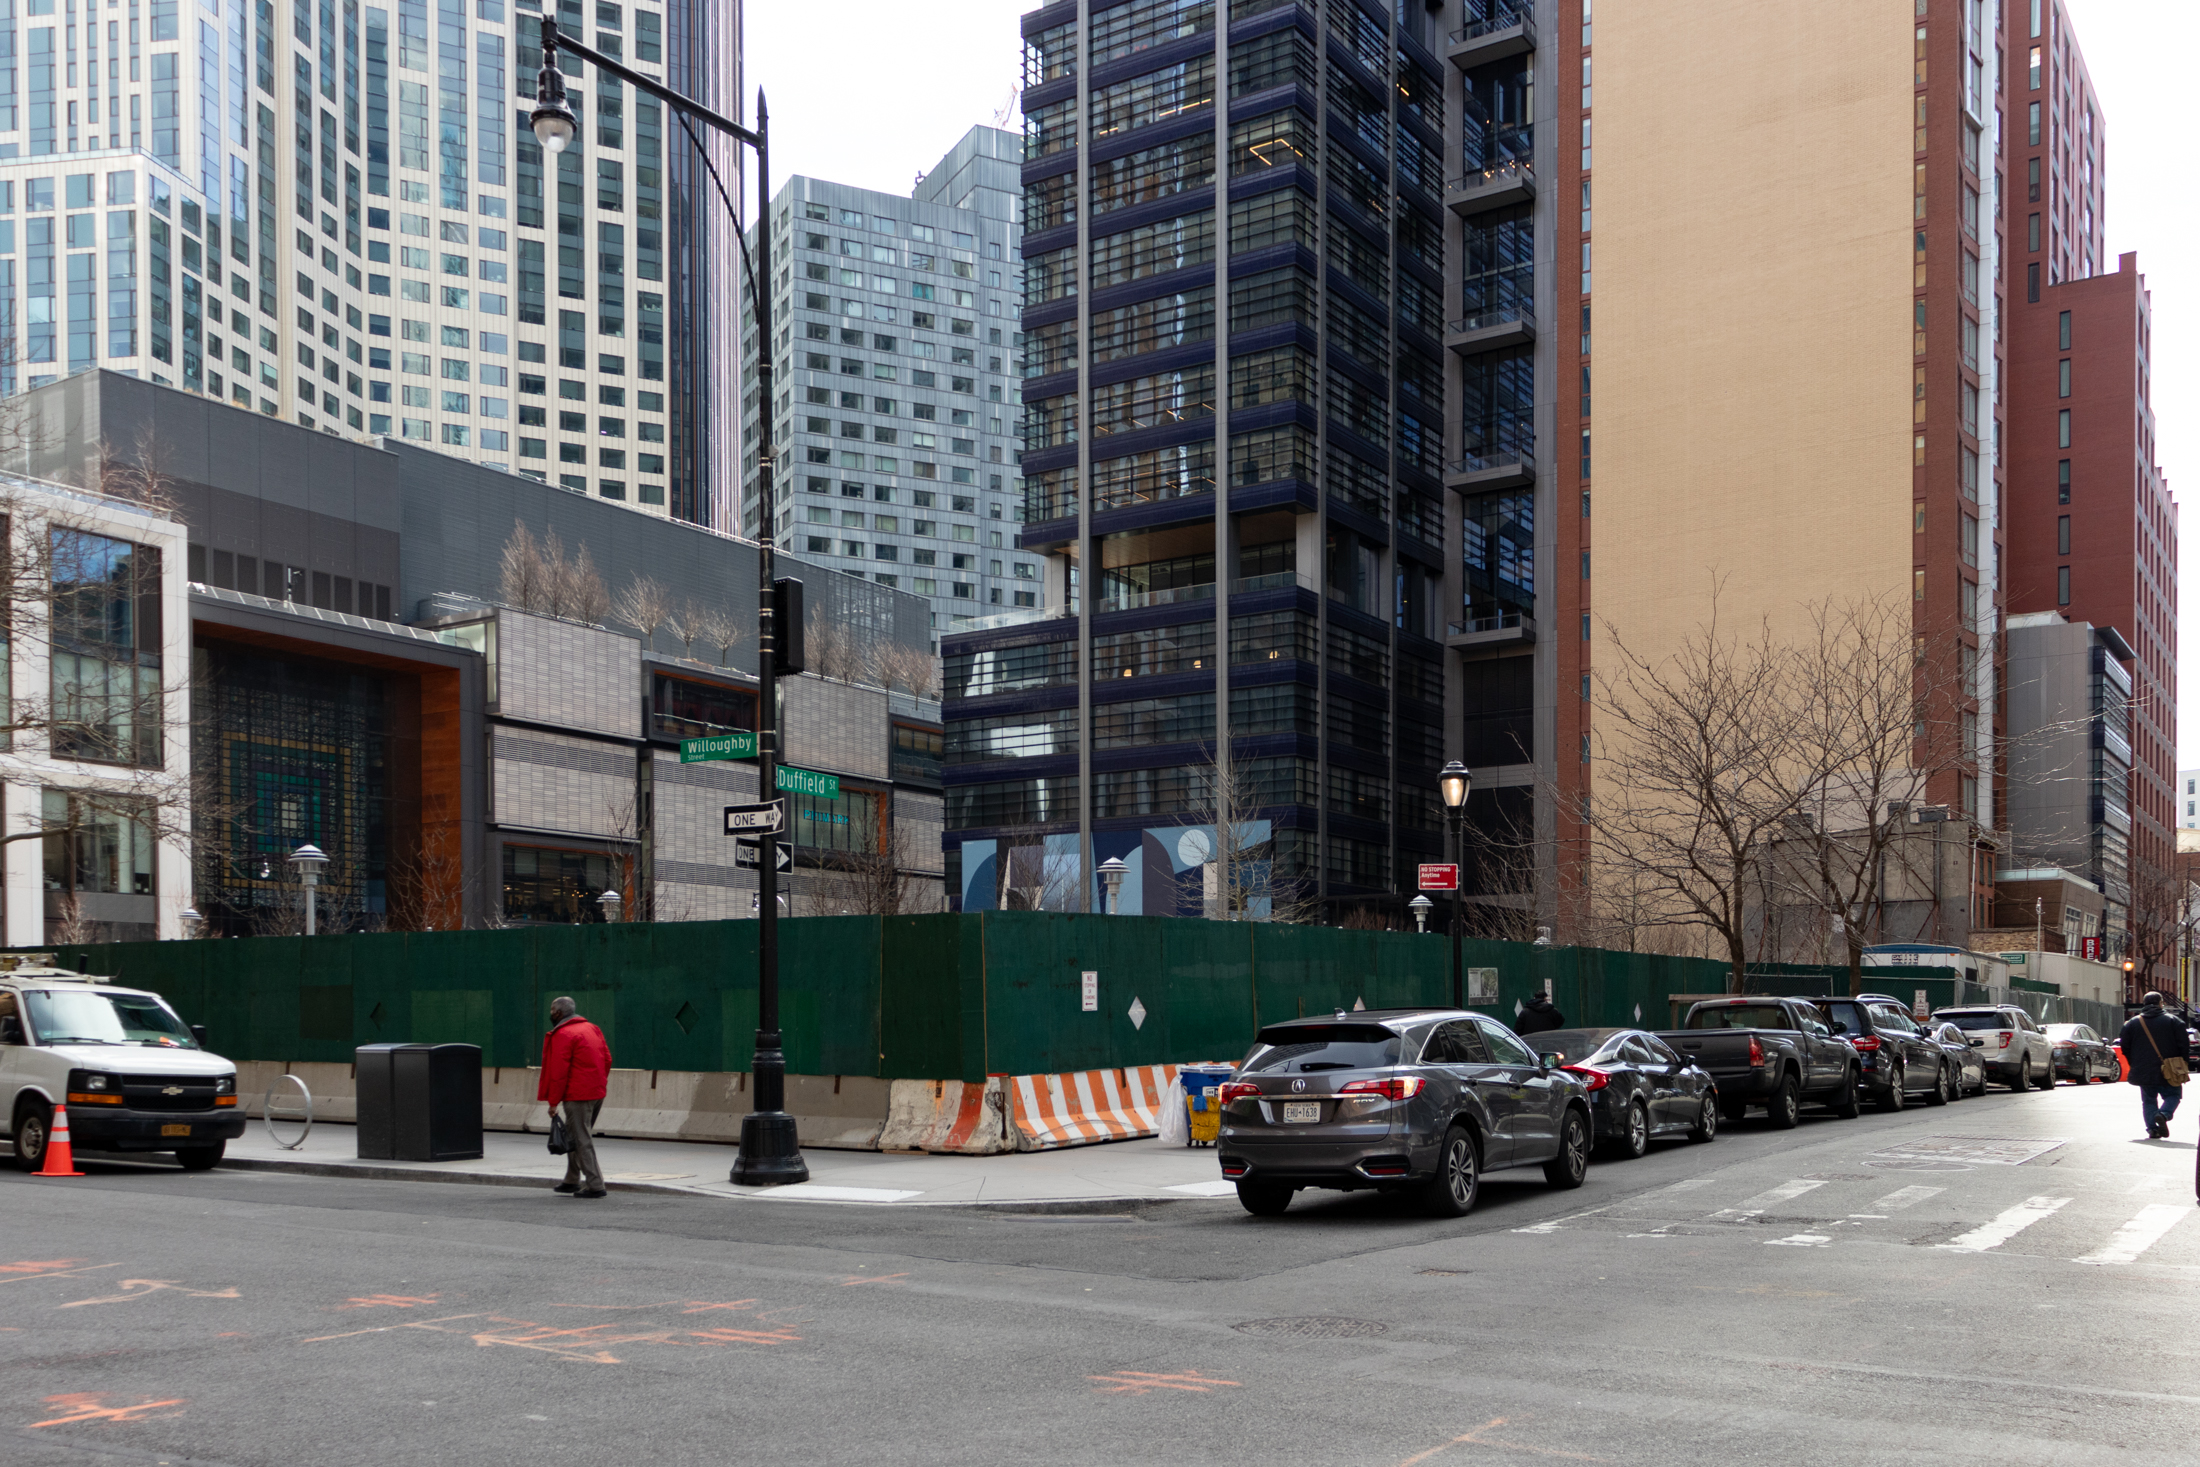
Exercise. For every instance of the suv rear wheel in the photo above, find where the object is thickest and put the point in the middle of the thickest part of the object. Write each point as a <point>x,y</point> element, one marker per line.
<point>1849,1104</point>
<point>1265,1199</point>
<point>1570,1168</point>
<point>1458,1180</point>
<point>2024,1077</point>
<point>1897,1095</point>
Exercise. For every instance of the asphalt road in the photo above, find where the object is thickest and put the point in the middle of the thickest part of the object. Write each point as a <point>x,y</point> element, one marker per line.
<point>2007,1279</point>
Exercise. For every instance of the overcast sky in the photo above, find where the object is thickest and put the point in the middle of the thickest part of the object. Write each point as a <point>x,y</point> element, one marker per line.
<point>869,92</point>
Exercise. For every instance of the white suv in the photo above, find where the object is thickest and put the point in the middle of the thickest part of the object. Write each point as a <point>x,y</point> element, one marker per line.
<point>2016,1050</point>
<point>131,1072</point>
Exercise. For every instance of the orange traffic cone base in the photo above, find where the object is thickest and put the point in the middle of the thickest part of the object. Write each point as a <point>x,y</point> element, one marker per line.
<point>60,1157</point>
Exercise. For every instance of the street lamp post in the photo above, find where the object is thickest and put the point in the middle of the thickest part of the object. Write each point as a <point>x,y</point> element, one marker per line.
<point>1112,871</point>
<point>609,902</point>
<point>770,1154</point>
<point>309,859</point>
<point>1453,783</point>
<point>1420,906</point>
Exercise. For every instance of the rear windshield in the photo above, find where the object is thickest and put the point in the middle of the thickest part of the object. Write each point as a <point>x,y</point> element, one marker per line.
<point>1305,1049</point>
<point>1575,1045</point>
<point>1976,1022</point>
<point>1740,1016</point>
<point>1846,1018</point>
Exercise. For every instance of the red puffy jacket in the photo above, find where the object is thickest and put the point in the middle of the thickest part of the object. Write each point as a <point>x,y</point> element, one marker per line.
<point>576,1062</point>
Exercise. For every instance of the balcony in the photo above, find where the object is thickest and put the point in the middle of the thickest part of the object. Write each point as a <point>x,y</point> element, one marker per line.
<point>1506,33</point>
<point>1505,182</point>
<point>1508,629</point>
<point>1498,469</point>
<point>1178,595</point>
<point>1492,330</point>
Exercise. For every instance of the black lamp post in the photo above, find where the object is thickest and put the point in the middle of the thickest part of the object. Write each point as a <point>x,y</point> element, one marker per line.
<point>770,1155</point>
<point>1453,783</point>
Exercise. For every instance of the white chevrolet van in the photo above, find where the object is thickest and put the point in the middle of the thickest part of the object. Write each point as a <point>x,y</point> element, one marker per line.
<point>131,1072</point>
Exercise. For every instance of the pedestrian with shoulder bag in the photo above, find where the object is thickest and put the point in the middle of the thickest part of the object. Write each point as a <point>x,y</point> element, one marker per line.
<point>2159,1052</point>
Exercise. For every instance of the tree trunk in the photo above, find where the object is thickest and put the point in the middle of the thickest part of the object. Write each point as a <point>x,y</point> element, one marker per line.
<point>1739,961</point>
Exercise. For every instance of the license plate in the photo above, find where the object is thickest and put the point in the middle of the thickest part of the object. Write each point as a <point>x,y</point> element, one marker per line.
<point>175,1130</point>
<point>1301,1112</point>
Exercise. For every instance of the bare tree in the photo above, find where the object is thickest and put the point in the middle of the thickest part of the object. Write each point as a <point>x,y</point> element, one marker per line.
<point>837,653</point>
<point>2165,920</point>
<point>1697,763</point>
<point>914,670</point>
<point>717,628</point>
<point>644,605</point>
<point>881,883</point>
<point>1238,882</point>
<point>685,622</point>
<point>538,576</point>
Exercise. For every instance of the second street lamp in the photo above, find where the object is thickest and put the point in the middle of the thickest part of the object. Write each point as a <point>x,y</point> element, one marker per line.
<point>770,1154</point>
<point>1453,783</point>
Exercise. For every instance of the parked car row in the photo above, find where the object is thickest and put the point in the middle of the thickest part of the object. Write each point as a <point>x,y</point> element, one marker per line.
<point>1426,1102</point>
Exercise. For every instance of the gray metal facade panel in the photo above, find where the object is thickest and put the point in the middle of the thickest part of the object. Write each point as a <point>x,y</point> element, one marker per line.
<point>534,793</point>
<point>836,727</point>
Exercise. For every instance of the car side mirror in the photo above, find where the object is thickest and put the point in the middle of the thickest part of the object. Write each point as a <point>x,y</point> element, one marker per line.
<point>1552,1060</point>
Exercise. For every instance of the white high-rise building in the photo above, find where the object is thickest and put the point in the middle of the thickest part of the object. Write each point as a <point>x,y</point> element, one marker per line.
<point>335,213</point>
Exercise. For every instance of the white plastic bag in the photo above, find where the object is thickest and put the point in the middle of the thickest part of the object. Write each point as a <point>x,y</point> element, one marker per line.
<point>1176,1127</point>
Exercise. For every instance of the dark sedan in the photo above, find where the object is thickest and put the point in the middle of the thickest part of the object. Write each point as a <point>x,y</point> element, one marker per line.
<point>1413,1101</point>
<point>1640,1089</point>
<point>2081,1054</point>
<point>1970,1064</point>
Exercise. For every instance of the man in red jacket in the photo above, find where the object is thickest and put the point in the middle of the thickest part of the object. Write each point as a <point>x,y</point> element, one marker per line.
<point>576,1070</point>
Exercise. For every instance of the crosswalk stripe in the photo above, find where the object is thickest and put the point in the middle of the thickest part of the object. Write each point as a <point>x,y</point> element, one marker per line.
<point>2010,1223</point>
<point>1557,1223</point>
<point>1907,1197</point>
<point>1750,1207</point>
<point>2138,1235</point>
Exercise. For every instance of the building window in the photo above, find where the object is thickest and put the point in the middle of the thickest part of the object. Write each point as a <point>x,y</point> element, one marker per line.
<point>106,655</point>
<point>2062,586</point>
<point>2062,428</point>
<point>2062,375</point>
<point>2062,534</point>
<point>2062,482</point>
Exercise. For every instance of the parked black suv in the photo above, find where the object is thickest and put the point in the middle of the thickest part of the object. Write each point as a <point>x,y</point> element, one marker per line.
<point>1900,1060</point>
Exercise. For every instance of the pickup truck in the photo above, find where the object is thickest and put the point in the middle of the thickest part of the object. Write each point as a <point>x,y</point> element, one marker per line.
<point>1773,1052</point>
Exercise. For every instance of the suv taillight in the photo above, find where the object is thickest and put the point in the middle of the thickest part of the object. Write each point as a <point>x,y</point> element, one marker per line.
<point>1237,1090</point>
<point>1393,1089</point>
<point>1593,1077</point>
<point>1866,1042</point>
<point>1756,1053</point>
<point>2006,1036</point>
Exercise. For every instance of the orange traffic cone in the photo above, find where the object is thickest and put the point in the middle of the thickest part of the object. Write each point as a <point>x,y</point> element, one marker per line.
<point>60,1159</point>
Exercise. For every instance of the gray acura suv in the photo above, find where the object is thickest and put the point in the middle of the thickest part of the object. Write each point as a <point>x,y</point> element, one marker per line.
<point>1422,1101</point>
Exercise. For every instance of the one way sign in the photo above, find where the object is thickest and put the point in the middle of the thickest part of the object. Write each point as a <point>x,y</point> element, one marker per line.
<point>744,855</point>
<point>768,815</point>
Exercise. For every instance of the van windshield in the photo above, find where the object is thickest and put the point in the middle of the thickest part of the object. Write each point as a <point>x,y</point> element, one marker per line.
<point>90,1017</point>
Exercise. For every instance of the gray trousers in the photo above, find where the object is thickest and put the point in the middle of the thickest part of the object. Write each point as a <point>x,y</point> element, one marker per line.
<point>580,1141</point>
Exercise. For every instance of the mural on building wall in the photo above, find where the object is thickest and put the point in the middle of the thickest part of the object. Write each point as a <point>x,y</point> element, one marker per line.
<point>1171,871</point>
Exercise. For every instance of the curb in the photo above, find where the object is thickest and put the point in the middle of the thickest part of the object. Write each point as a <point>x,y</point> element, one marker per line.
<point>372,1173</point>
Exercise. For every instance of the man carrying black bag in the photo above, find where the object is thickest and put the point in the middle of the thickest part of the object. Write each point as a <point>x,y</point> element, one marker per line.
<point>576,1073</point>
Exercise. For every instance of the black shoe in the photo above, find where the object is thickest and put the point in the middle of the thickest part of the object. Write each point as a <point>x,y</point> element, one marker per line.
<point>592,1192</point>
<point>567,1187</point>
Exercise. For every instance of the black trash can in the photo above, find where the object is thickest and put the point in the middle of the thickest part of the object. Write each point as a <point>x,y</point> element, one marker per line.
<point>419,1102</point>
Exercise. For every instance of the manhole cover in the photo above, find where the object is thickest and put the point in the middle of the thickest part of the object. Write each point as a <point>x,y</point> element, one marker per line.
<point>1314,1327</point>
<point>1920,1166</point>
<point>1976,1150</point>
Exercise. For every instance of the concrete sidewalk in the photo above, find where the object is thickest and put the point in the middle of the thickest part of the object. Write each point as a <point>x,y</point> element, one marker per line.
<point>1110,1171</point>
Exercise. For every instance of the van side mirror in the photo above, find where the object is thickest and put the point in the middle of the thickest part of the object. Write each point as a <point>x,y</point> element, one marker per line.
<point>11,1030</point>
<point>198,1032</point>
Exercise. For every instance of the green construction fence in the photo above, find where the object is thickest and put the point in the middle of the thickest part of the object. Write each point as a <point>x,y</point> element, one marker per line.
<point>949,996</point>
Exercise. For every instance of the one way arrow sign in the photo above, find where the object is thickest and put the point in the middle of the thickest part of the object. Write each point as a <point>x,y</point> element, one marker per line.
<point>744,855</point>
<point>742,819</point>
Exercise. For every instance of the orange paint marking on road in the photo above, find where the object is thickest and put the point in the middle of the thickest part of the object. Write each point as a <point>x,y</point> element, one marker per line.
<point>723,1336</point>
<point>1478,1438</point>
<point>141,1288</point>
<point>883,1278</point>
<point>385,1301</point>
<point>82,1406</point>
<point>588,1344</point>
<point>1139,1382</point>
<point>697,1306</point>
<point>60,1268</point>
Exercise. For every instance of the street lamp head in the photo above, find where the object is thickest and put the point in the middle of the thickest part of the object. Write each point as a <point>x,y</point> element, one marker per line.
<point>1420,905</point>
<point>308,858</point>
<point>609,901</point>
<point>1454,783</point>
<point>553,119</point>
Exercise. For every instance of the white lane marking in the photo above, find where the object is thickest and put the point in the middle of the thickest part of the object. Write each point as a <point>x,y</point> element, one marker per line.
<point>1801,1240</point>
<point>2007,1225</point>
<point>1687,1184</point>
<point>1558,1222</point>
<point>1750,1207</point>
<point>1907,1197</point>
<point>1205,1189</point>
<point>2138,1235</point>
